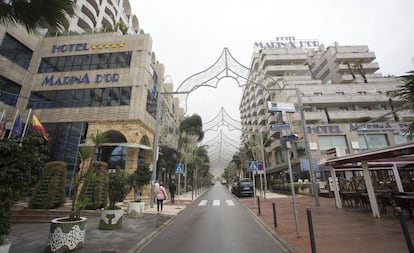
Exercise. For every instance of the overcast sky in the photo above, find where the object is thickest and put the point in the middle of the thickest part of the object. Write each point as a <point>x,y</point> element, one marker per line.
<point>189,36</point>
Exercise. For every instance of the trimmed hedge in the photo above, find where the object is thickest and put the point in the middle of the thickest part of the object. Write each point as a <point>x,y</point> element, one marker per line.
<point>97,190</point>
<point>49,191</point>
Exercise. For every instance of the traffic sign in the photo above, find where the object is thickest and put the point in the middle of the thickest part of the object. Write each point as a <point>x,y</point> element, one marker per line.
<point>280,107</point>
<point>179,168</point>
<point>276,127</point>
<point>252,165</point>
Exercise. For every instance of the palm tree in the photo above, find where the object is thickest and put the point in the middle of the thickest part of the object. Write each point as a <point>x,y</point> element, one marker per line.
<point>52,14</point>
<point>406,95</point>
<point>86,155</point>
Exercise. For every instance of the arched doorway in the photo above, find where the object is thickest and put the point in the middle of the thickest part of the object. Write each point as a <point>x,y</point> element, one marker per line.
<point>113,152</point>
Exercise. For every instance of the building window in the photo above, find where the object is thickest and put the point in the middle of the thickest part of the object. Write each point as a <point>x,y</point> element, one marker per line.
<point>366,108</point>
<point>400,138</point>
<point>343,109</point>
<point>9,91</point>
<point>151,106</point>
<point>15,51</point>
<point>362,93</point>
<point>332,141</point>
<point>318,94</point>
<point>100,97</point>
<point>300,148</point>
<point>340,93</point>
<point>372,141</point>
<point>85,62</point>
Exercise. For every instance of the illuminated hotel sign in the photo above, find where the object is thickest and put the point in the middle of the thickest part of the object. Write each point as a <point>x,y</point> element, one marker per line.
<point>75,47</point>
<point>69,80</point>
<point>283,42</point>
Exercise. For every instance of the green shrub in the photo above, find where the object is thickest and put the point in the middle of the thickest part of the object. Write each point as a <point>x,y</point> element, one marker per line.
<point>49,191</point>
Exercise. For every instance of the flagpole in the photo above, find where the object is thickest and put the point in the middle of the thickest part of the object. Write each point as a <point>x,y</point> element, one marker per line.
<point>27,123</point>
<point>3,116</point>
<point>14,121</point>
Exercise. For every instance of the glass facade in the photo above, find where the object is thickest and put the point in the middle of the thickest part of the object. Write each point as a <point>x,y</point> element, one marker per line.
<point>15,51</point>
<point>85,62</point>
<point>371,141</point>
<point>99,97</point>
<point>66,138</point>
<point>9,91</point>
<point>332,141</point>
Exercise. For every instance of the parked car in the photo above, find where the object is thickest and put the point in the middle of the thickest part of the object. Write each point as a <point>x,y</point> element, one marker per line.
<point>244,188</point>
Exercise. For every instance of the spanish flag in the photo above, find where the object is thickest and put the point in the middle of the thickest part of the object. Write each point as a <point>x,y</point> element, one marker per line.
<point>37,126</point>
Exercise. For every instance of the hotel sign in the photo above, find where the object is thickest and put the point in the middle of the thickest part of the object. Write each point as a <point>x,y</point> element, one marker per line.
<point>76,47</point>
<point>291,42</point>
<point>85,78</point>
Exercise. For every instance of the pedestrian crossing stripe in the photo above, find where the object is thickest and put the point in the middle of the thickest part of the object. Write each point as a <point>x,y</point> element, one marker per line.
<point>216,202</point>
<point>203,203</point>
<point>229,202</point>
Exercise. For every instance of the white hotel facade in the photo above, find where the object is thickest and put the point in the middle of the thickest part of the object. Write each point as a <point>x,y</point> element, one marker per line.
<point>339,88</point>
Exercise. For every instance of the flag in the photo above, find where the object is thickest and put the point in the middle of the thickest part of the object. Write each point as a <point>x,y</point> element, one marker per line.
<point>38,126</point>
<point>17,127</point>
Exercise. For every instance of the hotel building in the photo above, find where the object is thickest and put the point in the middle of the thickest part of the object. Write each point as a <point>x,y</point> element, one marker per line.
<point>334,90</point>
<point>81,84</point>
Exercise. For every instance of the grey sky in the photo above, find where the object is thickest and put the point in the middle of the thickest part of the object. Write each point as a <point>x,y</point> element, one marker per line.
<point>189,36</point>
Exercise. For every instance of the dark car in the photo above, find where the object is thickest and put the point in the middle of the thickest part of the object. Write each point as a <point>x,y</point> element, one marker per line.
<point>244,188</point>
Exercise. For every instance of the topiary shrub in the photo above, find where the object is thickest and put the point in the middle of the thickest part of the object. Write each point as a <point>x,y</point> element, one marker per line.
<point>97,192</point>
<point>49,191</point>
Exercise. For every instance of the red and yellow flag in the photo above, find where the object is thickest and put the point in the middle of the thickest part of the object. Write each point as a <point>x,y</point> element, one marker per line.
<point>38,126</point>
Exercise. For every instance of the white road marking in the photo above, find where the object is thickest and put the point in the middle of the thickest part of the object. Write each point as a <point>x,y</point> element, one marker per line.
<point>229,202</point>
<point>215,202</point>
<point>203,203</point>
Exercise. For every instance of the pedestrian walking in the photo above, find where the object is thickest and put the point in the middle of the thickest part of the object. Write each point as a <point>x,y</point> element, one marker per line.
<point>173,188</point>
<point>161,196</point>
<point>156,187</point>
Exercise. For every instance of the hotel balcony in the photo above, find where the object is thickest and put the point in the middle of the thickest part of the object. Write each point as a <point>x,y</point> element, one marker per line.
<point>365,57</point>
<point>281,70</point>
<point>368,68</point>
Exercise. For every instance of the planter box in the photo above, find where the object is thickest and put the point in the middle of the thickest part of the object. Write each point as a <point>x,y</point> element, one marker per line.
<point>4,248</point>
<point>66,235</point>
<point>136,209</point>
<point>111,219</point>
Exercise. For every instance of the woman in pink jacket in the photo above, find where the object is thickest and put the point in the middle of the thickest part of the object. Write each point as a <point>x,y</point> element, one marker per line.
<point>161,194</point>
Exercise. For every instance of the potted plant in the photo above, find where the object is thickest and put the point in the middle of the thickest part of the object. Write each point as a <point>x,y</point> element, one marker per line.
<point>118,188</point>
<point>140,177</point>
<point>21,164</point>
<point>68,233</point>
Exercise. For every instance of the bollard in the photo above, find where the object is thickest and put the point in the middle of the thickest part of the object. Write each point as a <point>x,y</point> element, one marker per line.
<point>258,204</point>
<point>405,231</point>
<point>274,214</point>
<point>311,234</point>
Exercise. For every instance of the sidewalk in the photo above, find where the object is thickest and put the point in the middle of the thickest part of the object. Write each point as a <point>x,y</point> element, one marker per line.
<point>134,233</point>
<point>336,230</point>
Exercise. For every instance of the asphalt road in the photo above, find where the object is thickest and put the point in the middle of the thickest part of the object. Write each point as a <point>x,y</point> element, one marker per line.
<point>215,222</point>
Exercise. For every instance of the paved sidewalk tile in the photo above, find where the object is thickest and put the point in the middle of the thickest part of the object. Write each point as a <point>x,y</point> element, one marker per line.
<point>336,230</point>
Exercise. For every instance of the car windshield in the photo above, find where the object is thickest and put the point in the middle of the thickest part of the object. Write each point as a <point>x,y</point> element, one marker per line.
<point>246,183</point>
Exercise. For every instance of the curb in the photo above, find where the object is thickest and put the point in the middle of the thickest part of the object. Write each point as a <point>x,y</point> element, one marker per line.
<point>282,242</point>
